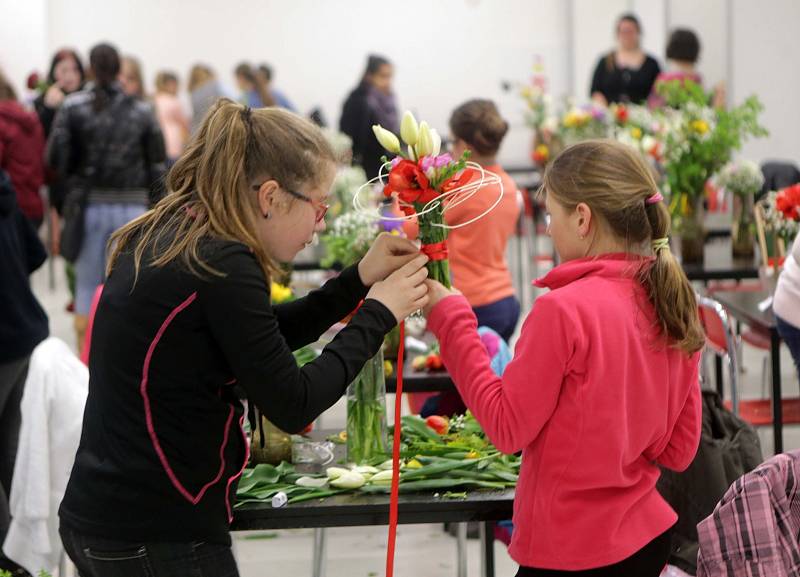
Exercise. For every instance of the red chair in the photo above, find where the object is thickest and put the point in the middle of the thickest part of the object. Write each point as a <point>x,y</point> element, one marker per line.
<point>720,340</point>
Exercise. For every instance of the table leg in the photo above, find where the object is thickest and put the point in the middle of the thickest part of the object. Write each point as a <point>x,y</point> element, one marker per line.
<point>320,555</point>
<point>777,408</point>
<point>461,549</point>
<point>487,549</point>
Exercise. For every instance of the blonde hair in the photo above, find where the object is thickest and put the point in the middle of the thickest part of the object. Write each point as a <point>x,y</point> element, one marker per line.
<point>616,182</point>
<point>163,78</point>
<point>199,74</point>
<point>210,186</point>
<point>135,70</point>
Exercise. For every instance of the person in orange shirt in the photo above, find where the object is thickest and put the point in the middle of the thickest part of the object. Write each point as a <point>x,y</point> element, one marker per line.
<point>477,252</point>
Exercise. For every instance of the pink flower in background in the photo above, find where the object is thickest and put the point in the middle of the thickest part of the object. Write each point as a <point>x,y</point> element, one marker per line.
<point>426,163</point>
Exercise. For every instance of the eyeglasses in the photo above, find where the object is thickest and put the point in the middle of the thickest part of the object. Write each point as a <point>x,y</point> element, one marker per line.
<point>320,208</point>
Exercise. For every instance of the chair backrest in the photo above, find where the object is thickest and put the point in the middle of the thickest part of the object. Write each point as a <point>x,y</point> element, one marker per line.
<point>720,339</point>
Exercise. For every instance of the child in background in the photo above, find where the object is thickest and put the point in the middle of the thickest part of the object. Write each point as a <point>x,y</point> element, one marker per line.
<point>604,386</point>
<point>477,252</point>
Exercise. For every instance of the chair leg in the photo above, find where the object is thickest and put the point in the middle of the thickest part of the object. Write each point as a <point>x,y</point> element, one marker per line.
<point>765,377</point>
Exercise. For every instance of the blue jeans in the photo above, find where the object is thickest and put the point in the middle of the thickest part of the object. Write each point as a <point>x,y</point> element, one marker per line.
<point>791,336</point>
<point>102,219</point>
<point>97,557</point>
<point>500,316</point>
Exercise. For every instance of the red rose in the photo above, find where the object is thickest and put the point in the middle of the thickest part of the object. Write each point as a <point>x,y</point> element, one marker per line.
<point>622,115</point>
<point>33,80</point>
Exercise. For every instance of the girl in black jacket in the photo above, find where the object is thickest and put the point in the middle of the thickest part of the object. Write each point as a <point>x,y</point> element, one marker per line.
<point>185,328</point>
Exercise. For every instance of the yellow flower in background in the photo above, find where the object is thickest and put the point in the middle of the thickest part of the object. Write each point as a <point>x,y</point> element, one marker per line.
<point>279,293</point>
<point>636,132</point>
<point>526,92</point>
<point>699,126</point>
<point>388,369</point>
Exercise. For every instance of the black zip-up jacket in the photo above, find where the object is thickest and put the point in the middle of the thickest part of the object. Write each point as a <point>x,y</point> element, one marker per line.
<point>162,446</point>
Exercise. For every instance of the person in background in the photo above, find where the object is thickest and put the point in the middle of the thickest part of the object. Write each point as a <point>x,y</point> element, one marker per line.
<point>371,102</point>
<point>171,116</point>
<point>265,74</point>
<point>625,74</point>
<point>66,76</point>
<point>130,77</point>
<point>786,304</point>
<point>604,385</point>
<point>21,152</point>
<point>253,87</point>
<point>108,142</point>
<point>683,53</point>
<point>204,91</point>
<point>23,325</point>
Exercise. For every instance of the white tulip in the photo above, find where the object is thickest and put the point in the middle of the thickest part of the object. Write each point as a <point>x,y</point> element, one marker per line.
<point>424,144</point>
<point>336,472</point>
<point>387,138</point>
<point>409,130</point>
<point>349,480</point>
<point>437,142</point>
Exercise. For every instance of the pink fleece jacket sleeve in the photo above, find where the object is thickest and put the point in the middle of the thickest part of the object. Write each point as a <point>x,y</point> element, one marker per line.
<point>515,408</point>
<point>685,439</point>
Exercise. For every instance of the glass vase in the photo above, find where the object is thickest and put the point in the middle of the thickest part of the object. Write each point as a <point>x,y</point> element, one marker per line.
<point>688,221</point>
<point>366,413</point>
<point>743,228</point>
<point>269,443</point>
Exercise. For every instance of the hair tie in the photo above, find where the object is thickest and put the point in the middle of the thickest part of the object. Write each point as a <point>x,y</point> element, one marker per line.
<point>657,197</point>
<point>660,244</point>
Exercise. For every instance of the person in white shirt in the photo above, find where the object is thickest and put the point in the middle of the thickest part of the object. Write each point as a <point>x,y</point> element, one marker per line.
<point>787,302</point>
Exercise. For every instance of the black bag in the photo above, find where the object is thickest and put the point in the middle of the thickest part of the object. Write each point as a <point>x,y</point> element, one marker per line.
<point>74,221</point>
<point>729,448</point>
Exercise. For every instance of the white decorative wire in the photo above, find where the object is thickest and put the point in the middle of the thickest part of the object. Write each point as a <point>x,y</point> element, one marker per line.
<point>455,197</point>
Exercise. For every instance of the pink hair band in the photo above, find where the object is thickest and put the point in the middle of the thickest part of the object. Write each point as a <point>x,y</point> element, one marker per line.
<point>657,197</point>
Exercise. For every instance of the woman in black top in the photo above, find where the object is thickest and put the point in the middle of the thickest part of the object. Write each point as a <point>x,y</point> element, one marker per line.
<point>626,74</point>
<point>371,102</point>
<point>185,331</point>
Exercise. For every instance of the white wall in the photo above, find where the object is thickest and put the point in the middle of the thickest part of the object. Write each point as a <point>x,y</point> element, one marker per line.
<point>766,62</point>
<point>23,40</point>
<point>445,51</point>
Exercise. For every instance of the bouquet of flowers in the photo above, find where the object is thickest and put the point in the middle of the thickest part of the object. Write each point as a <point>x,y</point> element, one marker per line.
<point>540,116</point>
<point>420,179</point>
<point>700,140</point>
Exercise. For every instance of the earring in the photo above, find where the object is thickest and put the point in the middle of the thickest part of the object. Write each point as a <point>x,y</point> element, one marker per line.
<point>267,215</point>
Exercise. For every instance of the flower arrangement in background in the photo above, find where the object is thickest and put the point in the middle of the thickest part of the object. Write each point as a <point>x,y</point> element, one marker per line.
<point>700,139</point>
<point>741,177</point>
<point>639,127</point>
<point>782,212</point>
<point>347,181</point>
<point>540,115</point>
<point>583,123</point>
<point>348,238</point>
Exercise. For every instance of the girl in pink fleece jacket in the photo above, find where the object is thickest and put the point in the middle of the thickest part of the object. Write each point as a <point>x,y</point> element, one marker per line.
<point>604,385</point>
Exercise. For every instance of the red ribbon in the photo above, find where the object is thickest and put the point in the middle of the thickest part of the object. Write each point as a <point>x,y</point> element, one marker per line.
<point>437,251</point>
<point>393,499</point>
